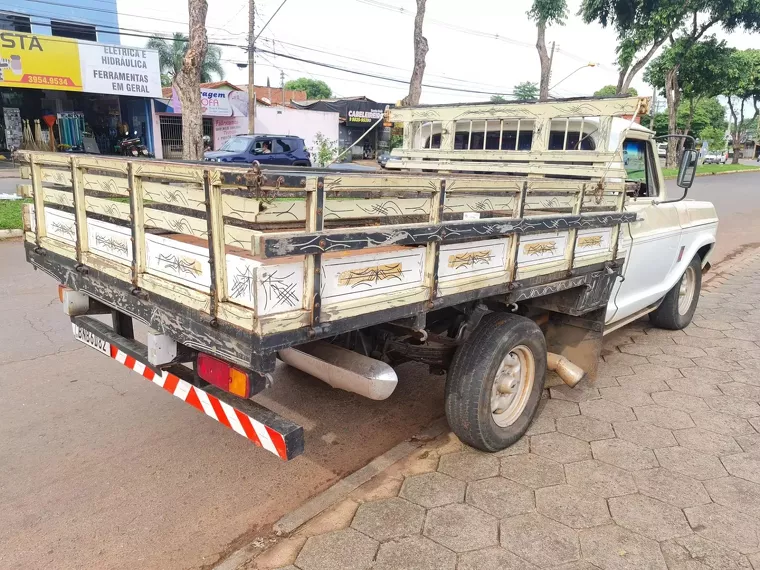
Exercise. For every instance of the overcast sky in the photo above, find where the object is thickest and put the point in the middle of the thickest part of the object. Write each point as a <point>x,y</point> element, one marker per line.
<point>480,45</point>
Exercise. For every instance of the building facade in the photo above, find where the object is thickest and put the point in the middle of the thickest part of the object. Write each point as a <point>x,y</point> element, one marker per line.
<point>66,83</point>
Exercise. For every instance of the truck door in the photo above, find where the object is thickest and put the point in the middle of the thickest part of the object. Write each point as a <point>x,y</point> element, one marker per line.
<point>652,242</point>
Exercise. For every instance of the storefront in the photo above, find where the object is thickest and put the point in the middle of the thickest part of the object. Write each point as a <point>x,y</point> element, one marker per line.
<point>88,95</point>
<point>225,114</point>
<point>358,117</point>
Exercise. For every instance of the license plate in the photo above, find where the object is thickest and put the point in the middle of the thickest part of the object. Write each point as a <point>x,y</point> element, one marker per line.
<point>91,340</point>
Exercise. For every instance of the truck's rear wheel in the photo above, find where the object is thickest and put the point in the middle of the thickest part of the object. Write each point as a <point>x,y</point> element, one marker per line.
<point>495,381</point>
<point>677,308</point>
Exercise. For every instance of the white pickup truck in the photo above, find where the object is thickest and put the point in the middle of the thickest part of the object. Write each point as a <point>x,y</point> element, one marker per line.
<point>509,240</point>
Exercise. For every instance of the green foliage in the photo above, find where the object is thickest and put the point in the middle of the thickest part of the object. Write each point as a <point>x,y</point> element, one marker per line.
<point>548,12</point>
<point>171,53</point>
<point>315,88</point>
<point>715,137</point>
<point>611,91</point>
<point>525,91</point>
<point>397,141</point>
<point>709,115</point>
<point>703,68</point>
<point>324,150</point>
<point>498,99</point>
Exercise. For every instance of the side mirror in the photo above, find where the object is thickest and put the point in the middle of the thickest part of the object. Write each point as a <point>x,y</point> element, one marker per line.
<point>688,169</point>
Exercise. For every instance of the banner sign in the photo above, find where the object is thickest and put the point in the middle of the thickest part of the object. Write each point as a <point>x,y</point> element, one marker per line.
<point>120,70</point>
<point>228,127</point>
<point>361,113</point>
<point>217,103</point>
<point>63,64</point>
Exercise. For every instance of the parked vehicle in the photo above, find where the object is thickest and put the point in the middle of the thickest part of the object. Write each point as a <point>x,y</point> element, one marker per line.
<point>283,150</point>
<point>715,158</point>
<point>662,150</point>
<point>492,265</point>
<point>133,146</point>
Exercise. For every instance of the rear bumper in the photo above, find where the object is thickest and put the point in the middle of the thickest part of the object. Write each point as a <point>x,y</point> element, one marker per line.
<point>249,419</point>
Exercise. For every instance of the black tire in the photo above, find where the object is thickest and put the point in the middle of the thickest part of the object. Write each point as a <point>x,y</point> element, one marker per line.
<point>471,377</point>
<point>668,315</point>
<point>302,163</point>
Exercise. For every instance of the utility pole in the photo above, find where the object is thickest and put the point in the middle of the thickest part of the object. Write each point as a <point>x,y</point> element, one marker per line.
<point>251,41</point>
<point>551,62</point>
<point>653,110</point>
<point>282,86</point>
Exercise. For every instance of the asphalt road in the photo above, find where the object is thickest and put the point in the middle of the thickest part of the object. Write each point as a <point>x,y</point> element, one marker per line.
<point>101,469</point>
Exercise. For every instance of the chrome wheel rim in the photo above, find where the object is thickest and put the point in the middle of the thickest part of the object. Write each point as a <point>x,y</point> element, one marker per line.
<point>686,290</point>
<point>512,386</point>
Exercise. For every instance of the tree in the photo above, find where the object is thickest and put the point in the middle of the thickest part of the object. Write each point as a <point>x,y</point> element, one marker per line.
<point>420,51</point>
<point>526,91</point>
<point>743,87</point>
<point>688,71</point>
<point>171,53</point>
<point>315,88</point>
<point>498,99</point>
<point>188,80</point>
<point>643,26</point>
<point>611,91</point>
<point>545,13</point>
<point>707,118</point>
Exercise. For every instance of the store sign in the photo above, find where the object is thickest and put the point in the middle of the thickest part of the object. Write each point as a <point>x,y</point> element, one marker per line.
<point>120,70</point>
<point>39,62</point>
<point>360,113</point>
<point>217,103</point>
<point>227,127</point>
<point>63,64</point>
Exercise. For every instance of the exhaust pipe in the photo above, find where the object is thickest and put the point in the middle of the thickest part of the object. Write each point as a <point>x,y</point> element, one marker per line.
<point>343,369</point>
<point>570,373</point>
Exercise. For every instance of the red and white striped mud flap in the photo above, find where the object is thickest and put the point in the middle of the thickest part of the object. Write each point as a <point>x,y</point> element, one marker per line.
<point>251,420</point>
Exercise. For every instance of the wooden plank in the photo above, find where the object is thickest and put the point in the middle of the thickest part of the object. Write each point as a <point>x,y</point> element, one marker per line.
<point>58,197</point>
<point>56,176</point>
<point>376,208</point>
<point>110,241</point>
<point>169,172</point>
<point>80,213</point>
<point>190,196</point>
<point>39,200</point>
<point>309,243</point>
<point>177,261</point>
<point>525,169</point>
<point>60,225</point>
<point>137,215</point>
<point>110,208</point>
<point>547,110</point>
<point>478,258</point>
<point>113,165</point>
<point>107,183</point>
<point>580,156</point>
<point>24,190</point>
<point>216,247</point>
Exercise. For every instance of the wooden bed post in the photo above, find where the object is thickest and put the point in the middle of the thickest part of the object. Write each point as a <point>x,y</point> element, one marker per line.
<point>315,206</point>
<point>138,223</point>
<point>216,245</point>
<point>39,200</point>
<point>80,212</point>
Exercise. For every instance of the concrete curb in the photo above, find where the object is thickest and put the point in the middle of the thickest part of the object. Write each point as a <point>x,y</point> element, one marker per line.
<point>336,493</point>
<point>10,173</point>
<point>736,259</point>
<point>10,234</point>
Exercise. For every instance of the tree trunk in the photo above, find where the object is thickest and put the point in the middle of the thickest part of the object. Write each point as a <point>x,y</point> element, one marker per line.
<point>736,135</point>
<point>546,62</point>
<point>673,96</point>
<point>420,51</point>
<point>188,82</point>
<point>624,83</point>
<point>621,80</point>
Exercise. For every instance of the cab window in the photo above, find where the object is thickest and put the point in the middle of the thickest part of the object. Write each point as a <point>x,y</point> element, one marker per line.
<point>639,168</point>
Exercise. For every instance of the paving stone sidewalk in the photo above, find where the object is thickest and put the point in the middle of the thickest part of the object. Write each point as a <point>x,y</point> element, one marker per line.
<point>655,465</point>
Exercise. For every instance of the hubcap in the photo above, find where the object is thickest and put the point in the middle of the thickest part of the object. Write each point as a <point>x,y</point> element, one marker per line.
<point>512,386</point>
<point>686,290</point>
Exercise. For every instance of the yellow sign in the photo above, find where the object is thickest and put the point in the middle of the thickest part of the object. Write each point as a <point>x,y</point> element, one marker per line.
<point>40,62</point>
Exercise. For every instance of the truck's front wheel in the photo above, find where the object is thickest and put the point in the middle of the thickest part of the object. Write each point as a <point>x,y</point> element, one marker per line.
<point>677,308</point>
<point>495,381</point>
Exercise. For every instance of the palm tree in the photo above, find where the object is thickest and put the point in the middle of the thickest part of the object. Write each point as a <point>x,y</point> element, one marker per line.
<point>171,53</point>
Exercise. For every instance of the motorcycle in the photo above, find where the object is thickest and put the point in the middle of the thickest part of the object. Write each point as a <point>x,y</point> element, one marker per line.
<point>133,147</point>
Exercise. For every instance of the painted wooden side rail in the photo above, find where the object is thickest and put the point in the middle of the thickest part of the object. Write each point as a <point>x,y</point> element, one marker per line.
<point>272,252</point>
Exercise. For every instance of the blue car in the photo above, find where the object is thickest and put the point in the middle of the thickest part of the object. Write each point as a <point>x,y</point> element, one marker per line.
<point>284,150</point>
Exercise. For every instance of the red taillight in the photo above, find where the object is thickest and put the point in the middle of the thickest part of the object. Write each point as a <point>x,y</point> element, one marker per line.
<point>224,376</point>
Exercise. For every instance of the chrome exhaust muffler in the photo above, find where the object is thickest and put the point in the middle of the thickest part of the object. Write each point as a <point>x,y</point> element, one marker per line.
<point>343,369</point>
<point>570,373</point>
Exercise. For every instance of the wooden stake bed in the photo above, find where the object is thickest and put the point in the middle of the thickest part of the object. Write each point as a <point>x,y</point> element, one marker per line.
<point>240,262</point>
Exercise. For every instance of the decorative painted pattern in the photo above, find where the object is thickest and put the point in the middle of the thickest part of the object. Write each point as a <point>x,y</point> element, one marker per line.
<point>109,240</point>
<point>470,259</point>
<point>358,276</point>
<point>593,242</point>
<point>268,289</point>
<point>369,276</point>
<point>178,261</point>
<point>460,260</point>
<point>541,248</point>
<point>60,225</point>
